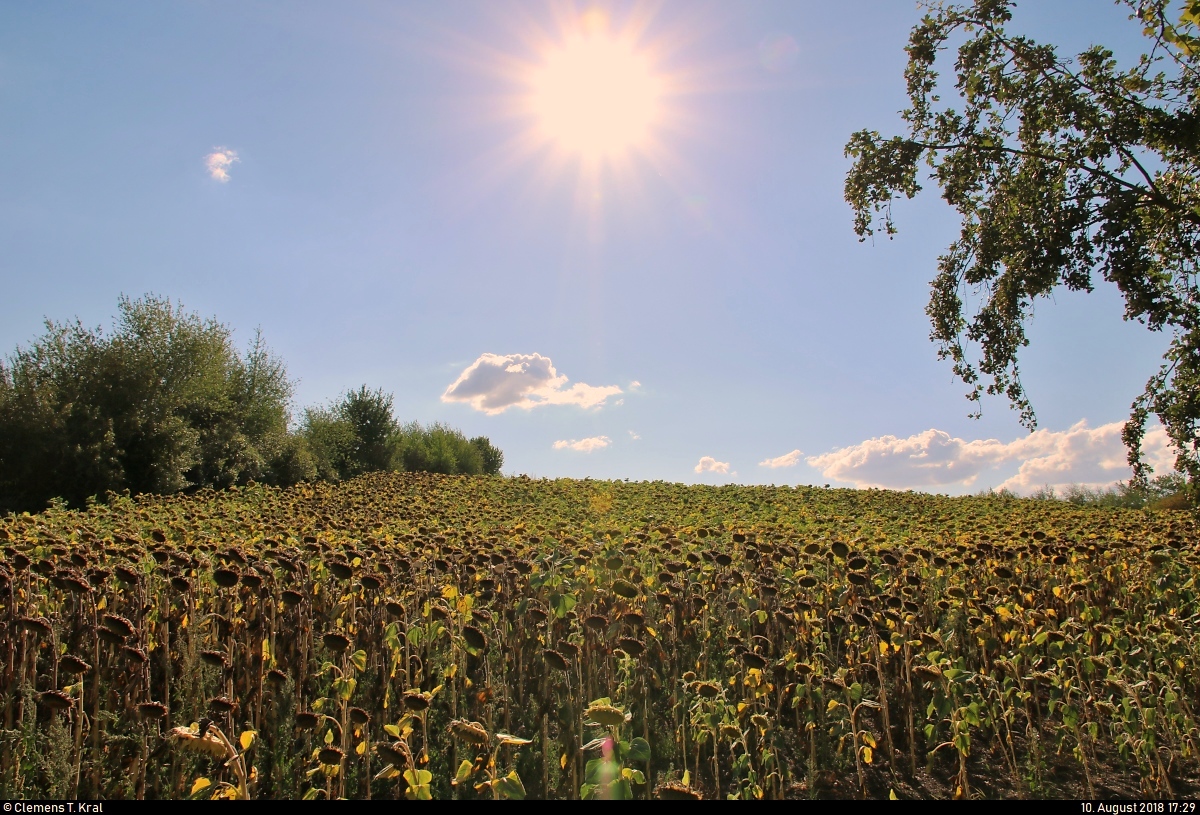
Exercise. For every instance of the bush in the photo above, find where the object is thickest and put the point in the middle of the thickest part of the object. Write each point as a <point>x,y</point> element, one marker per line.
<point>359,434</point>
<point>161,404</point>
<point>353,436</point>
<point>290,461</point>
<point>438,449</point>
<point>164,402</point>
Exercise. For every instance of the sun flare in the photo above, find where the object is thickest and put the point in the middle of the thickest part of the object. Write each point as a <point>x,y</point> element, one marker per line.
<point>596,97</point>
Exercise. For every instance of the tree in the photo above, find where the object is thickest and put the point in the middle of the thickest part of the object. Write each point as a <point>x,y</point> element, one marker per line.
<point>490,457</point>
<point>163,403</point>
<point>331,441</point>
<point>369,414</point>
<point>1062,170</point>
<point>438,448</point>
<point>359,434</point>
<point>355,435</point>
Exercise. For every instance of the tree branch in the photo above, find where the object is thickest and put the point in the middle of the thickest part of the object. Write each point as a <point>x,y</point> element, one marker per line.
<point>1151,194</point>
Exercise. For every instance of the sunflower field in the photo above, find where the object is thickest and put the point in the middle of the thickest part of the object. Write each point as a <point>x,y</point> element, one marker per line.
<point>435,637</point>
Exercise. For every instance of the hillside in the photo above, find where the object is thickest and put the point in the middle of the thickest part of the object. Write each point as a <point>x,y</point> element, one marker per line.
<point>439,636</point>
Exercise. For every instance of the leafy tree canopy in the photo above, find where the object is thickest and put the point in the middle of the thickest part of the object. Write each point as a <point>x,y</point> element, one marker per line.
<point>1062,170</point>
<point>359,434</point>
<point>162,403</point>
<point>437,448</point>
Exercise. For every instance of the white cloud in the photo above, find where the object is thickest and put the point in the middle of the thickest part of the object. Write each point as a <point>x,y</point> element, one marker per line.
<point>1079,455</point>
<point>583,445</point>
<point>1082,455</point>
<point>787,460</point>
<point>634,436</point>
<point>926,459</point>
<point>494,383</point>
<point>708,464</point>
<point>218,163</point>
<point>634,385</point>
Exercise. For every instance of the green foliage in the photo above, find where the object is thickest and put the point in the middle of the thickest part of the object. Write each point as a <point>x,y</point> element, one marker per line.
<point>1044,493</point>
<point>437,448</point>
<point>355,435</point>
<point>1167,491</point>
<point>330,441</point>
<point>165,403</point>
<point>162,403</point>
<point>1061,170</point>
<point>369,415</point>
<point>491,458</point>
<point>359,434</point>
<point>289,459</point>
<point>1160,492</point>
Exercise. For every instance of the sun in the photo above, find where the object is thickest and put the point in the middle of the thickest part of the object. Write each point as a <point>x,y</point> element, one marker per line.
<point>596,96</point>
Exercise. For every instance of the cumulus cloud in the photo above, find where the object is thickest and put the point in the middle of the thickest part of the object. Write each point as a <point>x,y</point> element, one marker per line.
<point>1093,456</point>
<point>218,163</point>
<point>786,460</point>
<point>708,464</point>
<point>583,445</point>
<point>634,436</point>
<point>496,382</point>
<point>1082,455</point>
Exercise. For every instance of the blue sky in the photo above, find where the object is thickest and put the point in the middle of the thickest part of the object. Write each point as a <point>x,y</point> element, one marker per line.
<point>390,220</point>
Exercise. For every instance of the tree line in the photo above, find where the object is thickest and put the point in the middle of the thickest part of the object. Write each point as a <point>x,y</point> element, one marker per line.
<point>165,403</point>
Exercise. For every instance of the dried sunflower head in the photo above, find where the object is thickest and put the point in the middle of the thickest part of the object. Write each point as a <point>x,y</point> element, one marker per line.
<point>474,637</point>
<point>73,665</point>
<point>226,578</point>
<point>307,720</point>
<point>470,732</point>
<point>222,705</point>
<point>606,715</point>
<point>214,658</point>
<point>330,755</point>
<point>152,711</point>
<point>416,701</point>
<point>54,700</point>
<point>36,625</point>
<point>674,791</point>
<point>397,753</point>
<point>336,641</point>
